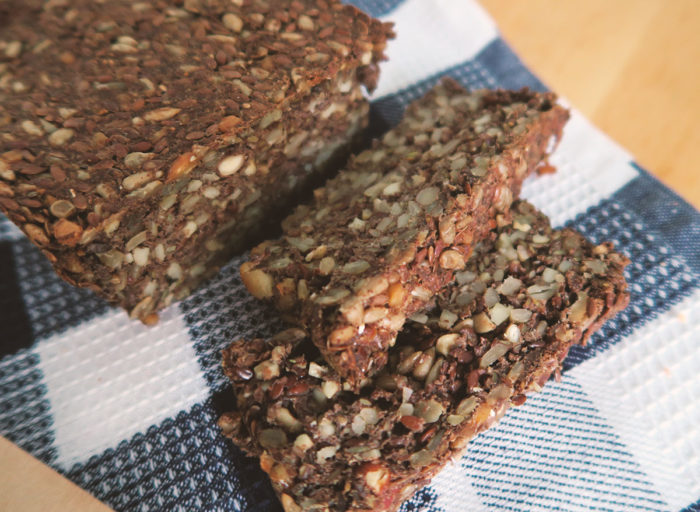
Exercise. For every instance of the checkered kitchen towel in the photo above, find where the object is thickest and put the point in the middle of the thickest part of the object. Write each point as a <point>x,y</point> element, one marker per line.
<point>128,412</point>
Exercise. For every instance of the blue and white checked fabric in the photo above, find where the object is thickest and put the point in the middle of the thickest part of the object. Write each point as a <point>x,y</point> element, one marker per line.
<point>128,412</point>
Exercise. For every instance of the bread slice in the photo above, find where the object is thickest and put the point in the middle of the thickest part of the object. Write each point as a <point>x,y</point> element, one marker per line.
<point>383,237</point>
<point>499,331</point>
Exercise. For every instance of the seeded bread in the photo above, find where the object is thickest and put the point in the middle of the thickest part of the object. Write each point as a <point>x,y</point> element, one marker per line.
<point>142,143</point>
<point>389,231</point>
<point>496,333</point>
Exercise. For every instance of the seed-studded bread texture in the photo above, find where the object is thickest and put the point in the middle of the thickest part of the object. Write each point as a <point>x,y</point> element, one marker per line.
<point>496,333</point>
<point>384,236</point>
<point>143,143</point>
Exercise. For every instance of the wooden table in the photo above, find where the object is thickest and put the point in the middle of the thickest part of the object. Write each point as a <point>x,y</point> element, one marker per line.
<point>631,66</point>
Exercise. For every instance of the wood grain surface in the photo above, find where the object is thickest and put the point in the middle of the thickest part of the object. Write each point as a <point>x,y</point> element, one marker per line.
<point>27,485</point>
<point>631,66</point>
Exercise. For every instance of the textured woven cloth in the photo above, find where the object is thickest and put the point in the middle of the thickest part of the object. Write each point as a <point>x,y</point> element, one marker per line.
<point>129,412</point>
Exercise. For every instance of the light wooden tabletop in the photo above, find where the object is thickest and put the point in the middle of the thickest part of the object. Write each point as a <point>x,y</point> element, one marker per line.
<point>631,66</point>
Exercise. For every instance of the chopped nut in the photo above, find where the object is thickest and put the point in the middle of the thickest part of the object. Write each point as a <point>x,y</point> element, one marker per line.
<point>510,286</point>
<point>369,415</point>
<point>258,283</point>
<point>420,318</point>
<point>285,418</point>
<point>289,504</point>
<point>482,323</point>
<point>358,425</point>
<point>267,370</point>
<point>578,309</point>
<point>13,49</point>
<point>406,409</point>
<point>182,166</point>
<point>325,453</point>
<point>142,309</point>
<point>422,293</point>
<point>174,271</point>
<point>397,294</point>
<point>326,429</point>
<point>375,476</point>
<point>189,229</point>
<point>512,334</point>
<point>303,443</point>
<point>550,275</point>
<point>67,232</point>
<point>413,423</point>
<point>278,474</point>
<point>316,370</point>
<point>446,343</point>
<point>330,388</point>
<point>596,266</point>
<point>452,260</point>
<point>141,256</point>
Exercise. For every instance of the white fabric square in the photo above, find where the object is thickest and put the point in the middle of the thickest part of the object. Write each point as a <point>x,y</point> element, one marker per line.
<point>464,29</point>
<point>647,386</point>
<point>112,377</point>
<point>557,452</point>
<point>453,486</point>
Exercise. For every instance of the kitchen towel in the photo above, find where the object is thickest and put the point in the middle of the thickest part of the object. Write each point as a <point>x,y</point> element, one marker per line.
<point>129,412</point>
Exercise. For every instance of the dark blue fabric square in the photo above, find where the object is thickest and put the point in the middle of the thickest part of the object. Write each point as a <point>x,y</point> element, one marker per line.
<point>182,464</point>
<point>376,8</point>
<point>52,305</point>
<point>25,412</point>
<point>17,330</point>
